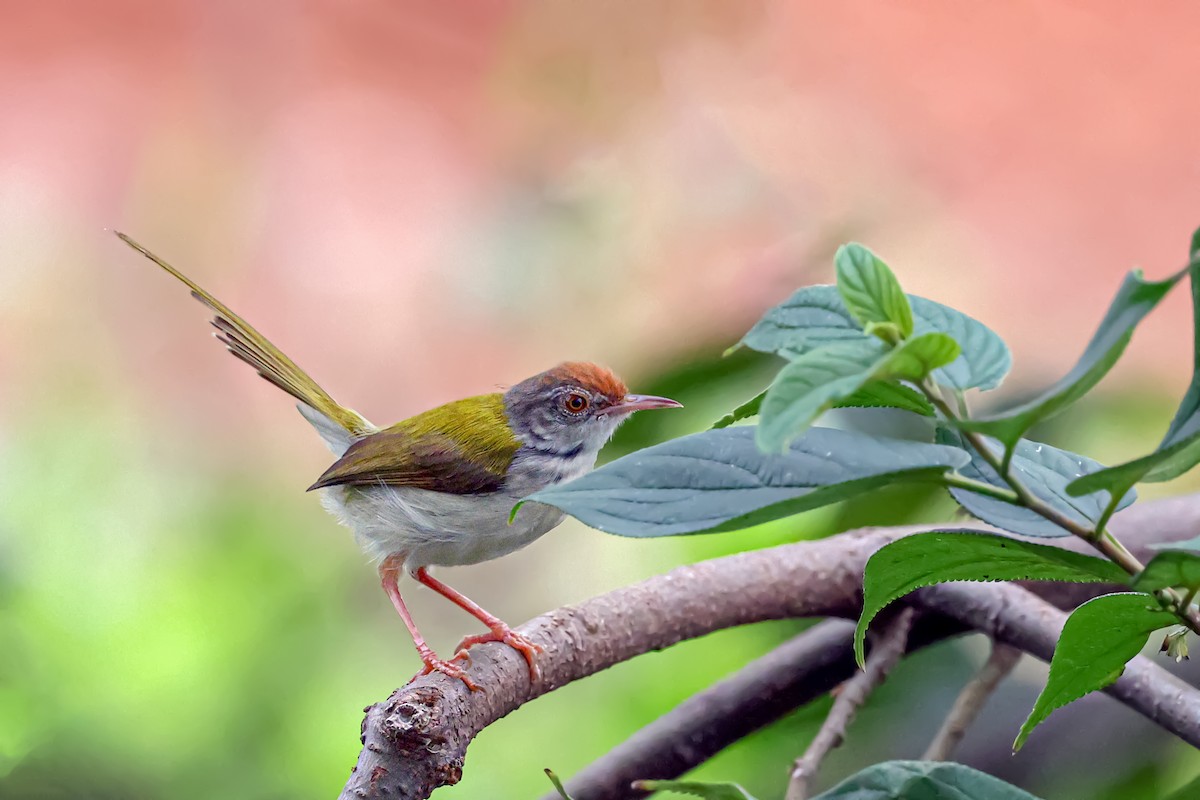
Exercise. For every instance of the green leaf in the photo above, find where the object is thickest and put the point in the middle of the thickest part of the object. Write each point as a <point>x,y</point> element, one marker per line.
<point>744,411</point>
<point>873,394</point>
<point>815,316</point>
<point>1169,569</point>
<point>941,556</point>
<point>1161,465</point>
<point>917,357</point>
<point>706,791</point>
<point>812,317</point>
<point>809,385</point>
<point>985,358</point>
<point>1097,641</point>
<point>557,785</point>
<point>719,480</point>
<point>1135,299</point>
<point>1179,450</point>
<point>1046,471</point>
<point>881,394</point>
<point>923,780</point>
<point>870,290</point>
<point>812,383</point>
<point>1176,458</point>
<point>1186,424</point>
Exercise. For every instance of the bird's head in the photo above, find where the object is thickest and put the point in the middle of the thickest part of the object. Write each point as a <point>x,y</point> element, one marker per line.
<point>573,408</point>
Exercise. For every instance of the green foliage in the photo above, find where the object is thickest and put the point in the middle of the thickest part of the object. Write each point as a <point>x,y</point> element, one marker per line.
<point>923,780</point>
<point>746,410</point>
<point>1165,463</point>
<point>810,384</point>
<point>719,480</point>
<point>917,357</point>
<point>815,316</point>
<point>1097,641</point>
<point>1135,299</point>
<point>705,791</point>
<point>872,294</point>
<point>1187,418</point>
<point>865,343</point>
<point>1046,472</point>
<point>1173,568</point>
<point>1179,450</point>
<point>942,556</point>
<point>873,394</point>
<point>985,359</point>
<point>816,380</point>
<point>882,394</point>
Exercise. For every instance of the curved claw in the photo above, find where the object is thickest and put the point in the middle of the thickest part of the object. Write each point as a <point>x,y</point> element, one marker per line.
<point>508,636</point>
<point>434,664</point>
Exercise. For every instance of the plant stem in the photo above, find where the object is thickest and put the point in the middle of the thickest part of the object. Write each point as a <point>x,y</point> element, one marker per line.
<point>1026,498</point>
<point>1097,537</point>
<point>1188,599</point>
<point>980,487</point>
<point>960,398</point>
<point>1110,509</point>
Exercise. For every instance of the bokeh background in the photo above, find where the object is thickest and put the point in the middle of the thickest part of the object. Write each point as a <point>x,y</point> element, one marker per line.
<point>422,200</point>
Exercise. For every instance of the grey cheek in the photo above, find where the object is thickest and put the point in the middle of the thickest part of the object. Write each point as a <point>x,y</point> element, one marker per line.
<point>543,427</point>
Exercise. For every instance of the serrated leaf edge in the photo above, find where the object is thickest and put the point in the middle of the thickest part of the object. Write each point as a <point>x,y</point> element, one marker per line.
<point>864,622</point>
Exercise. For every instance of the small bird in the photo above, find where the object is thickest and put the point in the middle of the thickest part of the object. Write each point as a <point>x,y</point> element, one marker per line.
<point>437,489</point>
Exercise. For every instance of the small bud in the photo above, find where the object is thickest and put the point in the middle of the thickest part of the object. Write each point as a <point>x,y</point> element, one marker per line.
<point>1175,645</point>
<point>890,332</point>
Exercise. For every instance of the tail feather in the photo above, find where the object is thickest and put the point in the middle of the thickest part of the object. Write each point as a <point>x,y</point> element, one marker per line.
<point>268,360</point>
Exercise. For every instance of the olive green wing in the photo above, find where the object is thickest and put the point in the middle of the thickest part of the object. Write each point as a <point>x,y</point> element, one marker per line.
<point>464,447</point>
<point>268,360</point>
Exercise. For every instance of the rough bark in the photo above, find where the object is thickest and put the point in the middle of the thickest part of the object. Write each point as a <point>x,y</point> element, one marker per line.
<point>416,740</point>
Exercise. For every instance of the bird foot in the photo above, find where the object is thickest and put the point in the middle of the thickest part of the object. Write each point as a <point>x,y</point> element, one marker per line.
<point>508,636</point>
<point>435,664</point>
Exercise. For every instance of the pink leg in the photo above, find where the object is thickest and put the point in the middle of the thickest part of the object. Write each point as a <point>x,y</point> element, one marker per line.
<point>499,631</point>
<point>389,575</point>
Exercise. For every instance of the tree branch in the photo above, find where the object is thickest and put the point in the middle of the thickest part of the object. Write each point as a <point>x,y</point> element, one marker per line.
<point>1016,617</point>
<point>416,740</point>
<point>886,651</point>
<point>712,720</point>
<point>970,701</point>
<point>765,690</point>
<point>797,672</point>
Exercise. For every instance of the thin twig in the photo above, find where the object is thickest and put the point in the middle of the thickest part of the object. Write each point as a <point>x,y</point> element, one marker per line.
<point>970,701</point>
<point>887,650</point>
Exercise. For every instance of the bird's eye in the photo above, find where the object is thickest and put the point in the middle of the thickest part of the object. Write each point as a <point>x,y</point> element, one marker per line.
<point>576,402</point>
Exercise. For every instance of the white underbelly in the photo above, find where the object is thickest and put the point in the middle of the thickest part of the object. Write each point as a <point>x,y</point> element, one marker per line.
<point>436,529</point>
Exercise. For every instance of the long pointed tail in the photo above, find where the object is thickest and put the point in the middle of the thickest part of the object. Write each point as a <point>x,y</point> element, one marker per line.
<point>268,360</point>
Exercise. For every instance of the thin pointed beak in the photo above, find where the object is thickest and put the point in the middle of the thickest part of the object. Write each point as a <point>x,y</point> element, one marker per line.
<point>641,402</point>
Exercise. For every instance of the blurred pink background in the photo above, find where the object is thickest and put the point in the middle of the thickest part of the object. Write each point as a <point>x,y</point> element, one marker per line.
<point>419,200</point>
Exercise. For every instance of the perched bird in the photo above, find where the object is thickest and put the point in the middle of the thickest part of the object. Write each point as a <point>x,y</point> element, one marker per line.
<point>437,489</point>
